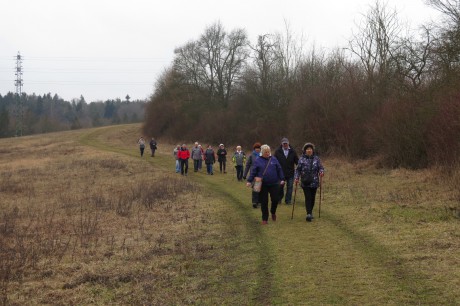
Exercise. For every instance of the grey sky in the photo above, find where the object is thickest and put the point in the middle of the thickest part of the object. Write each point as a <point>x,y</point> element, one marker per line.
<point>106,49</point>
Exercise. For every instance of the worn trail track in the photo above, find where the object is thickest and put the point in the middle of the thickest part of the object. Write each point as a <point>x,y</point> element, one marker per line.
<point>327,261</point>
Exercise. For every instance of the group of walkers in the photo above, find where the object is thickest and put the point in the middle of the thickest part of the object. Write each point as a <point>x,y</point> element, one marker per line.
<point>182,154</point>
<point>285,168</point>
<point>271,172</point>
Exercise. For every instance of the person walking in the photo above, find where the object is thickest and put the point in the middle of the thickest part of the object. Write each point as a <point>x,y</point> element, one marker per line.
<point>308,171</point>
<point>288,159</point>
<point>141,143</point>
<point>153,146</point>
<point>200,162</point>
<point>184,155</point>
<point>196,156</point>
<point>239,159</point>
<point>209,159</point>
<point>222,158</point>
<point>176,156</point>
<point>250,162</point>
<point>268,169</point>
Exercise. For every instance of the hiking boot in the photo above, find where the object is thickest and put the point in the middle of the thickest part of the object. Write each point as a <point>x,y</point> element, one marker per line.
<point>274,217</point>
<point>254,205</point>
<point>264,222</point>
<point>308,218</point>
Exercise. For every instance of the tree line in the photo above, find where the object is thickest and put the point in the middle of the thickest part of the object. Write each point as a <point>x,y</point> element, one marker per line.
<point>47,113</point>
<point>392,92</point>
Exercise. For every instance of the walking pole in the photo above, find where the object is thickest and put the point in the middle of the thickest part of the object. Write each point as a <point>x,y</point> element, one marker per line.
<point>320,192</point>
<point>293,203</point>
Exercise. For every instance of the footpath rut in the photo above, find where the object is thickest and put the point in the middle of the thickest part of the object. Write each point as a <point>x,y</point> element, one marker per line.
<point>299,263</point>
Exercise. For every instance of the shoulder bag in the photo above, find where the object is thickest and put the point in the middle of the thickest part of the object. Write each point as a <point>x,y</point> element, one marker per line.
<point>257,186</point>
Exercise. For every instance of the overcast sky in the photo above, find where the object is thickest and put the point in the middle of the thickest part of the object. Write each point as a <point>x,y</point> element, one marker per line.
<point>107,49</point>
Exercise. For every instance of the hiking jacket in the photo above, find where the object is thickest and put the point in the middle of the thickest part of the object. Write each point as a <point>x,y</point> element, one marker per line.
<point>141,143</point>
<point>176,153</point>
<point>209,156</point>
<point>183,154</point>
<point>221,155</point>
<point>273,175</point>
<point>153,144</point>
<point>250,161</point>
<point>196,153</point>
<point>287,163</point>
<point>309,164</point>
<point>239,158</point>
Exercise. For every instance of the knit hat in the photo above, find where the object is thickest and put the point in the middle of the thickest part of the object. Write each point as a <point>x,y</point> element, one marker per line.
<point>308,145</point>
<point>284,140</point>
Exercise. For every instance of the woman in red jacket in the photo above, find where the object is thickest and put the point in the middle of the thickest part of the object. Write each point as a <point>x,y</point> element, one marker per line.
<point>183,155</point>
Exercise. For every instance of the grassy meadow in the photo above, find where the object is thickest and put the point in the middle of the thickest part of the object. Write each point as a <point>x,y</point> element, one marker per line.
<point>85,220</point>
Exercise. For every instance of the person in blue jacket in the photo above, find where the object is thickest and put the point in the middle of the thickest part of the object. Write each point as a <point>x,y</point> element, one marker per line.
<point>269,170</point>
<point>249,163</point>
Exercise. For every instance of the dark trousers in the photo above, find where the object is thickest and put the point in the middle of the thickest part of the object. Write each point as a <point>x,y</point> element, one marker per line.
<point>196,164</point>
<point>183,166</point>
<point>222,164</point>
<point>289,183</point>
<point>142,151</point>
<point>310,195</point>
<point>274,191</point>
<point>255,198</point>
<point>239,172</point>
<point>153,151</point>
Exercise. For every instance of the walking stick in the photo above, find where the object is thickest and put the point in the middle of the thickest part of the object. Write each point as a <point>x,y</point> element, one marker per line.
<point>320,192</point>
<point>293,203</point>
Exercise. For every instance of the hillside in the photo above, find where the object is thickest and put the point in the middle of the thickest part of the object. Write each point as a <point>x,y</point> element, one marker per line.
<point>86,220</point>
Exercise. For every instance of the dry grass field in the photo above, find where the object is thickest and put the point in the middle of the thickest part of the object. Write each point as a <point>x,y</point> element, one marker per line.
<point>85,220</point>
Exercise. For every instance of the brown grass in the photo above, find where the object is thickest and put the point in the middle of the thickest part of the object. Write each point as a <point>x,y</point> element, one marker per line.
<point>83,226</point>
<point>84,220</point>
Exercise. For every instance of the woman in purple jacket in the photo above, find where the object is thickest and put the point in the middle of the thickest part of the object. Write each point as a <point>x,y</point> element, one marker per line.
<point>269,169</point>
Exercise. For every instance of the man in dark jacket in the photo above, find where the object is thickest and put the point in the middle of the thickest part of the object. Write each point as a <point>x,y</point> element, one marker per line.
<point>153,146</point>
<point>288,159</point>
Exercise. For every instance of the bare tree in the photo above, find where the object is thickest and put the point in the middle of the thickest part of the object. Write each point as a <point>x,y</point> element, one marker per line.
<point>289,51</point>
<point>446,45</point>
<point>413,58</point>
<point>376,45</point>
<point>264,64</point>
<point>449,8</point>
<point>214,62</point>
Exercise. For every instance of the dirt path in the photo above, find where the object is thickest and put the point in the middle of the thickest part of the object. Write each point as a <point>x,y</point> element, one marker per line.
<point>337,259</point>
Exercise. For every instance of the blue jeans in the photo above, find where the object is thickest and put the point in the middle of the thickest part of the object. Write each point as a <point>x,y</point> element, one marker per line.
<point>209,168</point>
<point>177,166</point>
<point>289,182</point>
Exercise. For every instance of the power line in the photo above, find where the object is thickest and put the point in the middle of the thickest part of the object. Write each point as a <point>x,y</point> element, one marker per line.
<point>18,83</point>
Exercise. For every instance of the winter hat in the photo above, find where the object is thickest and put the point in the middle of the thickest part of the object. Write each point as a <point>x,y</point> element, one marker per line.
<point>308,145</point>
<point>257,145</point>
<point>284,140</point>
